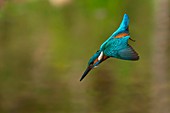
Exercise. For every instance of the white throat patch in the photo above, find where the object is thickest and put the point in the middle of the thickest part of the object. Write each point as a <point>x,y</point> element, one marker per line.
<point>100,56</point>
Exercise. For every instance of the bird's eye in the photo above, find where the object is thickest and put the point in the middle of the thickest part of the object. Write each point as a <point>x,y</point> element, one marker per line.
<point>97,51</point>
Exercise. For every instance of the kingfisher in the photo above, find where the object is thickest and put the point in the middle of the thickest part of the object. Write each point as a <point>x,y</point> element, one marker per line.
<point>116,46</point>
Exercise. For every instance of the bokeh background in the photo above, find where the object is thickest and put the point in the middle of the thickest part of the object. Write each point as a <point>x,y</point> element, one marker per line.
<point>45,46</point>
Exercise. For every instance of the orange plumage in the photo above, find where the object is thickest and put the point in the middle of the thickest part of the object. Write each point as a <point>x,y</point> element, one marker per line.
<point>121,35</point>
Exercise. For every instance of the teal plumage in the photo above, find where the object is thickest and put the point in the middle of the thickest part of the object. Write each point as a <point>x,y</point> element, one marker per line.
<point>115,46</point>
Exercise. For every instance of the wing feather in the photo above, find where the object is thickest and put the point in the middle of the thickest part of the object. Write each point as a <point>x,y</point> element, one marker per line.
<point>128,53</point>
<point>119,48</point>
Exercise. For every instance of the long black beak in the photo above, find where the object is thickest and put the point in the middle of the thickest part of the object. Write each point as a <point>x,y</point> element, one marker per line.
<point>86,72</point>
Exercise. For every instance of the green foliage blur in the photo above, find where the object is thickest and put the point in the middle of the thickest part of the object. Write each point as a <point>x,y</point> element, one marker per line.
<point>44,49</point>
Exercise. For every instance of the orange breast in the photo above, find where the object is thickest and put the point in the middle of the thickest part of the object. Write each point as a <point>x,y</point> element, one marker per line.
<point>105,57</point>
<point>121,35</point>
<point>95,61</point>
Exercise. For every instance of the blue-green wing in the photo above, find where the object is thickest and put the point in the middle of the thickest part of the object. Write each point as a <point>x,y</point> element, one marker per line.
<point>128,53</point>
<point>112,47</point>
<point>119,48</point>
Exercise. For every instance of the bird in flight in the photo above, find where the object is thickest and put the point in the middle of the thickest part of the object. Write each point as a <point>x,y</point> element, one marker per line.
<point>116,46</point>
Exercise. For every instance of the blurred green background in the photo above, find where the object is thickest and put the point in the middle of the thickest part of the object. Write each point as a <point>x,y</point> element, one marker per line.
<point>45,46</point>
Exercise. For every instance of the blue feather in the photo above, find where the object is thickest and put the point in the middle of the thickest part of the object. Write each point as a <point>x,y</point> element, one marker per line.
<point>123,28</point>
<point>128,53</point>
<point>115,46</point>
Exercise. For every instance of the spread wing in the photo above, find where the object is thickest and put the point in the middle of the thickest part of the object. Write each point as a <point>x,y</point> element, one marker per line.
<point>128,53</point>
<point>119,48</point>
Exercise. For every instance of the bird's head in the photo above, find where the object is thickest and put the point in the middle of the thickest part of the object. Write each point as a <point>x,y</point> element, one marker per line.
<point>94,61</point>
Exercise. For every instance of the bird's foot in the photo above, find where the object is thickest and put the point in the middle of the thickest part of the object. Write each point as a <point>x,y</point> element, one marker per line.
<point>132,39</point>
